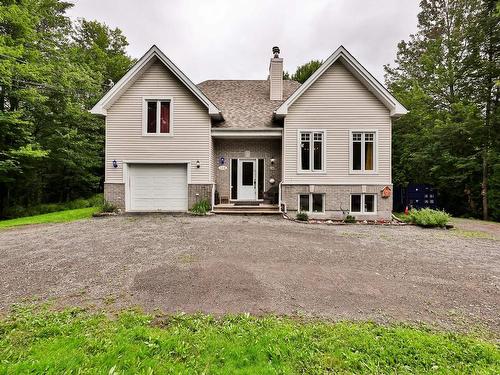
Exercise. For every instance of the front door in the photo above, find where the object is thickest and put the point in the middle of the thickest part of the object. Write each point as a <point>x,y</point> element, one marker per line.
<point>247,182</point>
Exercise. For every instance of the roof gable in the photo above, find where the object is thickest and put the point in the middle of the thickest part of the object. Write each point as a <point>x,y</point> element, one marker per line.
<point>138,69</point>
<point>341,54</point>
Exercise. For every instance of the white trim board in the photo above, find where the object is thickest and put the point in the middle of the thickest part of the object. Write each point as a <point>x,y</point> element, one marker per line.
<point>341,54</point>
<point>246,133</point>
<point>137,70</point>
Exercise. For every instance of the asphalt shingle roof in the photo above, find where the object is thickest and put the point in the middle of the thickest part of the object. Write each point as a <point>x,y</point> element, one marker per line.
<point>245,104</point>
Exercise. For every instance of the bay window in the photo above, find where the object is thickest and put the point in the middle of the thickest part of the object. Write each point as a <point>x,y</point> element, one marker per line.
<point>363,151</point>
<point>311,151</point>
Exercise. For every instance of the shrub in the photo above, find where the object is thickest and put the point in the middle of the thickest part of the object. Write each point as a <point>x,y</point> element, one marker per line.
<point>349,219</point>
<point>201,207</point>
<point>108,207</point>
<point>302,216</point>
<point>428,218</point>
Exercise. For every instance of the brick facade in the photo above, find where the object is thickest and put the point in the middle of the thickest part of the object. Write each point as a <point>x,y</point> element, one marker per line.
<point>115,194</point>
<point>337,198</point>
<point>197,192</point>
<point>251,149</point>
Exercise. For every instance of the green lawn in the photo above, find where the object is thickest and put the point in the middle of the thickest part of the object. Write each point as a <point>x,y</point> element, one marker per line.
<point>74,341</point>
<point>53,217</point>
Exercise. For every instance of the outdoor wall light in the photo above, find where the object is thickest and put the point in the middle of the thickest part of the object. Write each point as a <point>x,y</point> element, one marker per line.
<point>272,161</point>
<point>272,181</point>
<point>197,164</point>
<point>115,164</point>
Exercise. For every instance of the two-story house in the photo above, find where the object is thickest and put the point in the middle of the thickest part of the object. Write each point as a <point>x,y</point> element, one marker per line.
<point>323,147</point>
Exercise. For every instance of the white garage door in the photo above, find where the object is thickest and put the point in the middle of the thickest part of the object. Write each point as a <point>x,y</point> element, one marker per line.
<point>158,187</point>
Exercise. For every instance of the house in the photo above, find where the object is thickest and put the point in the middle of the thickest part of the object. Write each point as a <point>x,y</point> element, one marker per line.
<point>323,147</point>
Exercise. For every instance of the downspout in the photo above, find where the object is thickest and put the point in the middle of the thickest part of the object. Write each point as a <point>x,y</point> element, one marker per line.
<point>279,199</point>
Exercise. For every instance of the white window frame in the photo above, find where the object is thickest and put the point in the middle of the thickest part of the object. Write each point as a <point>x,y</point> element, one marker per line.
<point>311,203</point>
<point>375,151</point>
<point>158,100</point>
<point>311,152</point>
<point>362,212</point>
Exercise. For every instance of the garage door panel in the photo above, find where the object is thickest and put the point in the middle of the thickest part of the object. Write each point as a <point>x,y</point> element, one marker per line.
<point>158,187</point>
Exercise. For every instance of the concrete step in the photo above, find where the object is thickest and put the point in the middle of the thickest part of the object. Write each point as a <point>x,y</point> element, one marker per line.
<point>246,209</point>
<point>246,212</point>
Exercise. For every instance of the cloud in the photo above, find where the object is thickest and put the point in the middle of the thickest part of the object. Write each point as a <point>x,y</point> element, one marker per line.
<point>232,39</point>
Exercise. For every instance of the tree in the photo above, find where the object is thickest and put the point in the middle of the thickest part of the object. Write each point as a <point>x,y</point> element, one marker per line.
<point>304,71</point>
<point>51,73</point>
<point>445,74</point>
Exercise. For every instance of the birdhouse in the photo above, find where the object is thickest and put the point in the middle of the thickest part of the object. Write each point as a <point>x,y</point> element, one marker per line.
<point>386,192</point>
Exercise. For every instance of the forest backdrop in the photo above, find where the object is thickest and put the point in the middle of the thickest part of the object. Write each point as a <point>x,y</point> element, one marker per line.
<point>52,70</point>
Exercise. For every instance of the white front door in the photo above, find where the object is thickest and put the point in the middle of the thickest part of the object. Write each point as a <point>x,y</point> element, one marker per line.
<point>247,181</point>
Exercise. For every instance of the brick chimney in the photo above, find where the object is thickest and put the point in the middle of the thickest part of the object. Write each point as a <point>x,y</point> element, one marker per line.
<point>276,76</point>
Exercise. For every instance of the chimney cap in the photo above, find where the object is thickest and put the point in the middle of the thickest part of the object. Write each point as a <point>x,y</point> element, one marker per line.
<point>276,51</point>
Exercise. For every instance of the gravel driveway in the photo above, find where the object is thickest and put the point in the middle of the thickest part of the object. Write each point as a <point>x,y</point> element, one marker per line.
<point>222,264</point>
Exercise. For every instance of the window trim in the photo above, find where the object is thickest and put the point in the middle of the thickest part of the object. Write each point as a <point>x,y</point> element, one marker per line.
<point>158,99</point>
<point>362,212</point>
<point>375,152</point>
<point>323,205</point>
<point>311,152</point>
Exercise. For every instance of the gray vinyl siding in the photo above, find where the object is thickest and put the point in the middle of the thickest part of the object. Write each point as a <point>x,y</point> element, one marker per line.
<point>338,103</point>
<point>191,140</point>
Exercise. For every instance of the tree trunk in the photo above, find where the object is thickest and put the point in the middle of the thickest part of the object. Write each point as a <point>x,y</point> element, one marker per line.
<point>484,185</point>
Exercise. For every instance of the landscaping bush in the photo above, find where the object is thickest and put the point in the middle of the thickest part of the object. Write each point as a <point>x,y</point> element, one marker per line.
<point>201,207</point>
<point>349,219</point>
<point>108,207</point>
<point>428,218</point>
<point>302,216</point>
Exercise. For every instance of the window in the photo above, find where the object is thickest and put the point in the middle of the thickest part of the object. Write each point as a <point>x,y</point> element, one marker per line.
<point>311,151</point>
<point>363,151</point>
<point>158,116</point>
<point>363,203</point>
<point>311,202</point>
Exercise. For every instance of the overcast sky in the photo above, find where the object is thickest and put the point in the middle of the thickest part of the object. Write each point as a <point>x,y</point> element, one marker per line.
<point>232,39</point>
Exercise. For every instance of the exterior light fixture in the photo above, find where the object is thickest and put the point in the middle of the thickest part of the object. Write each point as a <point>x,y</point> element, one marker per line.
<point>115,164</point>
<point>197,164</point>
<point>272,161</point>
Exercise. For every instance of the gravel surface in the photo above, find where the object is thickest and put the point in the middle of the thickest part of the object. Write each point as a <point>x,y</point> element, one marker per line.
<point>229,264</point>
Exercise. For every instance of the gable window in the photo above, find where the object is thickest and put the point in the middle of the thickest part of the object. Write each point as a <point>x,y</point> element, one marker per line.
<point>312,203</point>
<point>311,151</point>
<point>158,116</point>
<point>363,203</point>
<point>363,151</point>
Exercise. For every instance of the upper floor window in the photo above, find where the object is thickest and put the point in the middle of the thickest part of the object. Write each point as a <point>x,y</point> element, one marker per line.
<point>311,151</point>
<point>363,151</point>
<point>158,116</point>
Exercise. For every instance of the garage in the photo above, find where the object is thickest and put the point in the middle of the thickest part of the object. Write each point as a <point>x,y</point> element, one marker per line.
<point>158,187</point>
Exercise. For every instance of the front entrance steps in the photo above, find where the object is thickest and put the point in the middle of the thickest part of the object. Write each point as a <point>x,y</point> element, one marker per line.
<point>247,209</point>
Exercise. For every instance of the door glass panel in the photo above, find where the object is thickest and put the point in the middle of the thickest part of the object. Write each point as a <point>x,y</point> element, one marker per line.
<point>247,173</point>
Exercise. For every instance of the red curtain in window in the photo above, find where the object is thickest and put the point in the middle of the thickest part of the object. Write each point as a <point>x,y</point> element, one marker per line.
<point>165,117</point>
